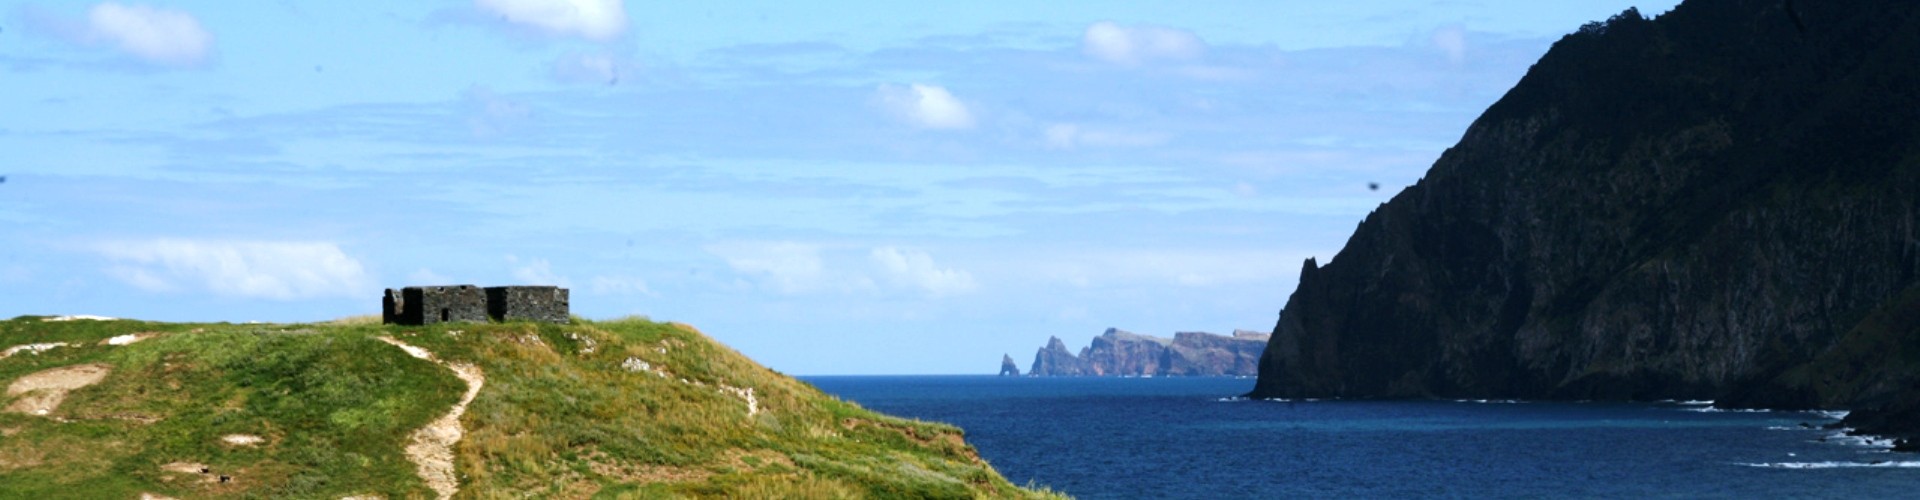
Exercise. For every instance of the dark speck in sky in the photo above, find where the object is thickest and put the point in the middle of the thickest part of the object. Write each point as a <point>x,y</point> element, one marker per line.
<point>1373,186</point>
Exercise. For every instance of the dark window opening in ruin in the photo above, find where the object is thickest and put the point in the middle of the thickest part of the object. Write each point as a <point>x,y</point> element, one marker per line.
<point>443,315</point>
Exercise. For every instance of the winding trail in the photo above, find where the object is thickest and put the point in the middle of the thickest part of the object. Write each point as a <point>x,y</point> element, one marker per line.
<point>431,447</point>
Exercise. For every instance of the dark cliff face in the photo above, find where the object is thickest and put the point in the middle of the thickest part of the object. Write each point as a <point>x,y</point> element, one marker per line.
<point>1121,353</point>
<point>1720,203</point>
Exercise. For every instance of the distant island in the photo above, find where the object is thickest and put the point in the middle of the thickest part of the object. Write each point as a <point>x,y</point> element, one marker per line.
<point>1120,353</point>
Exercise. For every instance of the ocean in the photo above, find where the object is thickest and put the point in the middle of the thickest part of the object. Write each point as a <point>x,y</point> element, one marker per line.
<point>1194,438</point>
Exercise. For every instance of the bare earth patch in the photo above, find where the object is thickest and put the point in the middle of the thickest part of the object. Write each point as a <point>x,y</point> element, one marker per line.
<point>431,447</point>
<point>32,348</point>
<point>45,389</point>
<point>129,338</point>
<point>242,439</point>
<point>185,467</point>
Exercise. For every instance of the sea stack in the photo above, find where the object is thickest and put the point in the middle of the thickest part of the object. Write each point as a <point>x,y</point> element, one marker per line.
<point>1007,368</point>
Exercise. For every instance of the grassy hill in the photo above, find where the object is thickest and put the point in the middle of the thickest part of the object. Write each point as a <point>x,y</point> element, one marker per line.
<point>615,409</point>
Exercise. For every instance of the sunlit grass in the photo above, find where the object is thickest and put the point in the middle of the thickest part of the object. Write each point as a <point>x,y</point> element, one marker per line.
<point>566,411</point>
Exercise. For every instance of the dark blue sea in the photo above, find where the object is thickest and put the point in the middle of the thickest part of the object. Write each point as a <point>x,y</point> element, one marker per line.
<point>1192,438</point>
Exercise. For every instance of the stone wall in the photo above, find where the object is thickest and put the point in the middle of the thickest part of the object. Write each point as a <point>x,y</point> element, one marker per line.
<point>534,303</point>
<point>426,305</point>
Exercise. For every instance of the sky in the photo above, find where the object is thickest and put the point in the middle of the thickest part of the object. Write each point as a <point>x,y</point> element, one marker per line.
<point>836,187</point>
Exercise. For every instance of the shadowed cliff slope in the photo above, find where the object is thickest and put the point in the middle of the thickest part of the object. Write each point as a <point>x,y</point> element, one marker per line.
<point>1718,203</point>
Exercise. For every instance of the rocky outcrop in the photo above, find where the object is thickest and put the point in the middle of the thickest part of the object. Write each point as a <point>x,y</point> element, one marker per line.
<point>1007,368</point>
<point>1056,360</point>
<point>1122,353</point>
<point>1720,203</point>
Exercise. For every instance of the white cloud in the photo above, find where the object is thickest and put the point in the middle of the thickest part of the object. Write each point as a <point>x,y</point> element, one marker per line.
<point>916,270</point>
<point>253,269</point>
<point>1131,45</point>
<point>925,106</point>
<point>591,19</point>
<point>537,272</point>
<point>159,36</point>
<point>1452,40</point>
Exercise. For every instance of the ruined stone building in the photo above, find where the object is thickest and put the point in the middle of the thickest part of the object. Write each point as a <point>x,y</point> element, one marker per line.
<point>426,305</point>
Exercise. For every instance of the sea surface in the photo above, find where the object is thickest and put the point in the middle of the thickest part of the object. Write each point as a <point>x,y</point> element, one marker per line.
<point>1194,438</point>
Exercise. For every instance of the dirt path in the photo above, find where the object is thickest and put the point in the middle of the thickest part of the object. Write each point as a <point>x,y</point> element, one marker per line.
<point>45,389</point>
<point>431,447</point>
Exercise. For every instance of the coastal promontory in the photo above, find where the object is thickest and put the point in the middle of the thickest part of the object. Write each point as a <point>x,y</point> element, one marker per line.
<point>1722,202</point>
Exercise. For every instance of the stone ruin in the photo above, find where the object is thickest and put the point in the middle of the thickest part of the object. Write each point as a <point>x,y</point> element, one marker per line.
<point>426,305</point>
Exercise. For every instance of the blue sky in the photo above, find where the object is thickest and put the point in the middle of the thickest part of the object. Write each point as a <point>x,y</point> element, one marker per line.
<point>848,187</point>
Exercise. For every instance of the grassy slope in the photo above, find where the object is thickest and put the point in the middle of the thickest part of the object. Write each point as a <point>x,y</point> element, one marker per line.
<point>557,416</point>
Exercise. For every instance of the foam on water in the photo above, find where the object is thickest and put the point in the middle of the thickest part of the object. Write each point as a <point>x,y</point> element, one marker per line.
<point>1842,437</point>
<point>1838,465</point>
<point>1715,409</point>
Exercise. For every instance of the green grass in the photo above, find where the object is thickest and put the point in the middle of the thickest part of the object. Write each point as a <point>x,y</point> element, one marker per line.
<point>558,416</point>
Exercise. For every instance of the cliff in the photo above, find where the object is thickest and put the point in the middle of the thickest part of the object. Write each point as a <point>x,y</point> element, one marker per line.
<point>614,409</point>
<point>1716,204</point>
<point>1121,353</point>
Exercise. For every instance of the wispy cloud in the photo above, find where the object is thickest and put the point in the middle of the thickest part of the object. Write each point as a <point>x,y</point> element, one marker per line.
<point>1132,45</point>
<point>1072,136</point>
<point>600,20</point>
<point>490,114</point>
<point>249,269</point>
<point>784,267</point>
<point>925,106</point>
<point>1452,41</point>
<point>593,68</point>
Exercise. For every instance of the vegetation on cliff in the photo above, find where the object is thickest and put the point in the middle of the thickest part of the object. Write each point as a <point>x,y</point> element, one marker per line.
<point>613,409</point>
<point>1719,203</point>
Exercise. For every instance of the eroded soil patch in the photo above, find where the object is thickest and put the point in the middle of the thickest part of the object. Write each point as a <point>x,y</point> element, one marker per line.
<point>42,391</point>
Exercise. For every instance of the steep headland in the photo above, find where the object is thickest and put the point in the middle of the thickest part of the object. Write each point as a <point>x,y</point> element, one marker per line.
<point>1719,203</point>
<point>1122,353</point>
<point>613,409</point>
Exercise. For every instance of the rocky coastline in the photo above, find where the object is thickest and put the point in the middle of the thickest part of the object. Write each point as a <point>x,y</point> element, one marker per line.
<point>1118,352</point>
